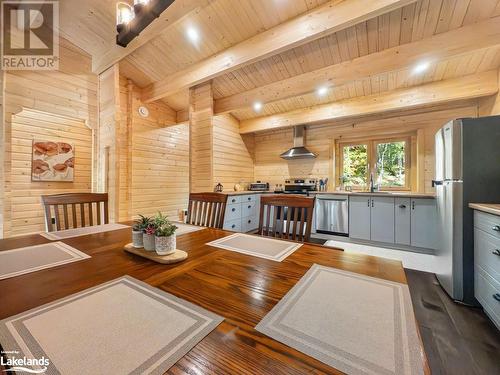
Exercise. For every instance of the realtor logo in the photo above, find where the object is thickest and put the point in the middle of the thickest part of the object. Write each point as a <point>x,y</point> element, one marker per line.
<point>29,35</point>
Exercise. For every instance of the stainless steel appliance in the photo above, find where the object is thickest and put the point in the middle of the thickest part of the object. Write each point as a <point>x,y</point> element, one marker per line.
<point>298,151</point>
<point>300,186</point>
<point>332,214</point>
<point>467,171</point>
<point>259,186</point>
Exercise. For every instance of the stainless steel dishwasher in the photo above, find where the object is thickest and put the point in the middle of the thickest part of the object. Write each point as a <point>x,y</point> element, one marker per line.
<point>332,214</point>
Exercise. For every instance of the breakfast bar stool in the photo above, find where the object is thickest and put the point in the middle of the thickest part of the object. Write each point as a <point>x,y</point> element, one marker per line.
<point>89,205</point>
<point>288,216</point>
<point>207,209</point>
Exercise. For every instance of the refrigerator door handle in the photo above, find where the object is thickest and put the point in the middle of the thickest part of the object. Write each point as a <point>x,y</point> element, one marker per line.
<point>436,182</point>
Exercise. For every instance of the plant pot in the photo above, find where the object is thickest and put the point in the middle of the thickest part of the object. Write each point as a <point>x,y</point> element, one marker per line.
<point>165,245</point>
<point>148,242</point>
<point>137,238</point>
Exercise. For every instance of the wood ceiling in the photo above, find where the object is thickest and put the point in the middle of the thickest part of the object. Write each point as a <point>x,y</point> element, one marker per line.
<point>226,23</point>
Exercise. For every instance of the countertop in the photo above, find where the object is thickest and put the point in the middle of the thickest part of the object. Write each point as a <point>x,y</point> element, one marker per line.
<point>490,208</point>
<point>397,194</point>
<point>245,192</point>
<point>389,194</point>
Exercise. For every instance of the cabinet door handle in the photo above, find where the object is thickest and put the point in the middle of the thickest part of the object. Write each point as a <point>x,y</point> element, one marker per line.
<point>233,209</point>
<point>413,205</point>
<point>233,200</point>
<point>249,206</point>
<point>368,202</point>
<point>249,221</point>
<point>496,252</point>
<point>402,206</point>
<point>496,296</point>
<point>496,228</point>
<point>249,198</point>
<point>233,226</point>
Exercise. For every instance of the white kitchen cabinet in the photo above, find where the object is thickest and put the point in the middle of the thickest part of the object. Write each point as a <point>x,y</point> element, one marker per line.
<point>382,219</point>
<point>359,217</point>
<point>242,212</point>
<point>424,223</point>
<point>402,222</point>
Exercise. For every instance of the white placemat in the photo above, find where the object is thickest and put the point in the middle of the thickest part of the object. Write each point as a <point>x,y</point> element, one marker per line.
<point>355,323</point>
<point>76,232</point>
<point>28,259</point>
<point>262,247</point>
<point>121,327</point>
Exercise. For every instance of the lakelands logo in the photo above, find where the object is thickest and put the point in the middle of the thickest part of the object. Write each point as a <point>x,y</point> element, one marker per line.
<point>29,35</point>
<point>23,364</point>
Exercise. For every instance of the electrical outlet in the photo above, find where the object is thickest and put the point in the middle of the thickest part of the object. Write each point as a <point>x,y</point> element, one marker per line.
<point>53,220</point>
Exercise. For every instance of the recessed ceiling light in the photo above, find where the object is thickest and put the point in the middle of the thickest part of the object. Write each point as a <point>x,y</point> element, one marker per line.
<point>257,106</point>
<point>322,91</point>
<point>421,67</point>
<point>193,34</point>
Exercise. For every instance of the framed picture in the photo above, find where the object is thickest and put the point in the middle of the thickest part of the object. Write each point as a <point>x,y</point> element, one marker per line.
<point>52,161</point>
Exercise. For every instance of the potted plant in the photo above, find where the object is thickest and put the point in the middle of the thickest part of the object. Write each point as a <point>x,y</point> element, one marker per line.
<point>165,241</point>
<point>148,237</point>
<point>138,229</point>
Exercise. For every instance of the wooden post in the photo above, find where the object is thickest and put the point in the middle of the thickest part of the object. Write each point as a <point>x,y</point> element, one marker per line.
<point>201,111</point>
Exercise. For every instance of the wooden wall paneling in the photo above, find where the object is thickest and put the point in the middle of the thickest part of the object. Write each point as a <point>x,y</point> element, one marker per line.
<point>432,94</point>
<point>320,139</point>
<point>69,93</point>
<point>27,214</point>
<point>2,150</point>
<point>159,159</point>
<point>232,154</point>
<point>201,138</point>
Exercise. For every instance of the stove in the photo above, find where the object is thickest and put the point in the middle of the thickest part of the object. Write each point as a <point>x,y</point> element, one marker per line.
<point>299,186</point>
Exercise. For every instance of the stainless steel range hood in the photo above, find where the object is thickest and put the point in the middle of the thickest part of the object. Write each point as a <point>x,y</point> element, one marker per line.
<point>298,151</point>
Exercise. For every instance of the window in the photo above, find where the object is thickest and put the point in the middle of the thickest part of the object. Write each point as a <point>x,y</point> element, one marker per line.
<point>386,159</point>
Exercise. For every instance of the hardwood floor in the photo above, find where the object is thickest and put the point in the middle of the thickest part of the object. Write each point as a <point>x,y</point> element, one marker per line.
<point>457,339</point>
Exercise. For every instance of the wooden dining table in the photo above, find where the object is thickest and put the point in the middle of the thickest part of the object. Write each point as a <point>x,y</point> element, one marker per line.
<point>241,288</point>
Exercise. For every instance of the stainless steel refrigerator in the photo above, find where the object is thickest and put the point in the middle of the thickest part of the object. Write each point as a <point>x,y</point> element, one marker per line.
<point>467,171</point>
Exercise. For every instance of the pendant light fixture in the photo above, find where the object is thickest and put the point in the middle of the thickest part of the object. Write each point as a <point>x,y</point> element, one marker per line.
<point>130,21</point>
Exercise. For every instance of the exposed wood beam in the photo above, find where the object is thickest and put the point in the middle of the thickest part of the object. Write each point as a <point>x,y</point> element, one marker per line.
<point>432,94</point>
<point>178,10</point>
<point>182,116</point>
<point>315,24</point>
<point>438,47</point>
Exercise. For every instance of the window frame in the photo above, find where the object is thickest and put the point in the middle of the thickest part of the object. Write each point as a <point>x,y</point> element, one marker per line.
<point>371,144</point>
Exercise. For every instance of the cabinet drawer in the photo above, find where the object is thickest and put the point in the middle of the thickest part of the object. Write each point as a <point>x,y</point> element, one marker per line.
<point>248,209</point>
<point>487,253</point>
<point>233,225</point>
<point>249,223</point>
<point>247,198</point>
<point>232,199</point>
<point>486,291</point>
<point>233,212</point>
<point>487,222</point>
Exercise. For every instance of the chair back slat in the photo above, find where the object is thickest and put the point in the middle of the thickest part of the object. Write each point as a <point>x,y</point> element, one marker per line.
<point>73,215</point>
<point>286,216</point>
<point>207,209</point>
<point>57,217</point>
<point>66,205</point>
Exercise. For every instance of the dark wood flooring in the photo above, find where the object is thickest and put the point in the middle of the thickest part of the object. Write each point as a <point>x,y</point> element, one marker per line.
<point>457,339</point>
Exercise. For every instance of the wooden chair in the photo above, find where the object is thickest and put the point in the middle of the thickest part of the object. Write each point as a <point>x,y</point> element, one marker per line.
<point>286,216</point>
<point>207,209</point>
<point>66,205</point>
